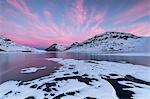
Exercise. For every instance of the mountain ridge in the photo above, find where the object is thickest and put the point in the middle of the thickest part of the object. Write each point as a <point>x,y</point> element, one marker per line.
<point>7,45</point>
<point>112,41</point>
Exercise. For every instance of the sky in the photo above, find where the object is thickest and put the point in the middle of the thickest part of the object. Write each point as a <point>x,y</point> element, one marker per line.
<point>40,23</point>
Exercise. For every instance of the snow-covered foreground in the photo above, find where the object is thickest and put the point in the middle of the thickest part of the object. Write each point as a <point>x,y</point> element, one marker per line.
<point>84,79</point>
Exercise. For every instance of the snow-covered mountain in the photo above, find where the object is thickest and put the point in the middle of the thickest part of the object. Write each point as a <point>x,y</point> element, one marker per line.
<point>112,42</point>
<point>55,47</point>
<point>9,46</point>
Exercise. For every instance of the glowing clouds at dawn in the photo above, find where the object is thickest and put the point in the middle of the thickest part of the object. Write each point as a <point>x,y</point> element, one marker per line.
<point>40,23</point>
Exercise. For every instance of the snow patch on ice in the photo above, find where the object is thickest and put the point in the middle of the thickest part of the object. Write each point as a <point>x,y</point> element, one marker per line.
<point>31,69</point>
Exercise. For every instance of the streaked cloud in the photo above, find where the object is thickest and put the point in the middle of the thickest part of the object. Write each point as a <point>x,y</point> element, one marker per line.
<point>137,11</point>
<point>141,29</point>
<point>38,24</point>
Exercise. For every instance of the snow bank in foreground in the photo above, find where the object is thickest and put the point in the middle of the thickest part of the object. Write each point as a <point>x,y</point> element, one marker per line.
<point>31,69</point>
<point>84,79</point>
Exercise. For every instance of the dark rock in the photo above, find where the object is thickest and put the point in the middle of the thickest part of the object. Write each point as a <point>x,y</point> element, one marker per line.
<point>66,74</point>
<point>21,83</point>
<point>2,50</point>
<point>78,91</point>
<point>71,65</point>
<point>76,72</point>
<point>54,89</point>
<point>85,80</point>
<point>47,89</point>
<point>17,92</point>
<point>91,62</point>
<point>33,86</point>
<point>50,84</point>
<point>8,93</point>
<point>138,86</point>
<point>119,88</point>
<point>133,79</point>
<point>70,68</point>
<point>85,75</point>
<point>6,39</point>
<point>40,87</point>
<point>89,98</point>
<point>45,94</point>
<point>26,51</point>
<point>70,93</point>
<point>59,96</point>
<point>26,83</point>
<point>52,94</point>
<point>53,47</point>
<point>113,74</point>
<point>30,97</point>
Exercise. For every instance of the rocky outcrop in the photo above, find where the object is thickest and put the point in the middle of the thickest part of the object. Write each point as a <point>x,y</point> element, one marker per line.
<point>53,47</point>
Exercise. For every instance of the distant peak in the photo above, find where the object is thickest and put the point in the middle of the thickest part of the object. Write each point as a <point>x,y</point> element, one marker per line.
<point>4,38</point>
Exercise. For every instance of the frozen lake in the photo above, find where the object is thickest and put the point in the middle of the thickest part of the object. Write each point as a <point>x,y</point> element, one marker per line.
<point>74,75</point>
<point>12,63</point>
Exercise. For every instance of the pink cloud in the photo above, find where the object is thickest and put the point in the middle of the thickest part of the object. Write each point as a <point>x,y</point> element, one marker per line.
<point>77,13</point>
<point>33,25</point>
<point>19,5</point>
<point>22,7</point>
<point>23,38</point>
<point>139,10</point>
<point>37,30</point>
<point>47,13</point>
<point>51,25</point>
<point>61,31</point>
<point>80,17</point>
<point>11,12</point>
<point>141,29</point>
<point>94,31</point>
<point>94,17</point>
<point>42,34</point>
<point>5,23</point>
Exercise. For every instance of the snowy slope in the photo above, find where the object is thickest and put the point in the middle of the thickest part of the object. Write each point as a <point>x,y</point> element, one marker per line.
<point>9,46</point>
<point>113,42</point>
